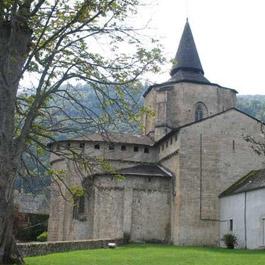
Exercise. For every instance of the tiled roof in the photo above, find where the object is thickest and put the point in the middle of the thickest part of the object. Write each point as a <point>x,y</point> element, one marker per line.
<point>147,170</point>
<point>150,170</point>
<point>189,76</point>
<point>171,82</point>
<point>115,138</point>
<point>254,180</point>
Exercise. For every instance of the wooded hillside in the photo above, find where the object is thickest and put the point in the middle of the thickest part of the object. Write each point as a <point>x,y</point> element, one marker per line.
<point>254,105</point>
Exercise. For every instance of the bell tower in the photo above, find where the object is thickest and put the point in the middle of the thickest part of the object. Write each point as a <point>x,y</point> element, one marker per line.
<point>188,96</point>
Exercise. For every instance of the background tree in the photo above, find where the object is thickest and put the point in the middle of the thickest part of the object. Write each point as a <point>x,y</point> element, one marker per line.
<point>57,42</point>
<point>253,105</point>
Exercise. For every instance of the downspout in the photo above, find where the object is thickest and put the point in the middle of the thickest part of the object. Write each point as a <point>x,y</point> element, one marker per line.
<point>245,218</point>
<point>200,176</point>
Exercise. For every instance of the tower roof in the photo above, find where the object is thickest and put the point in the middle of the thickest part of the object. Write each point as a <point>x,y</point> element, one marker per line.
<point>187,64</point>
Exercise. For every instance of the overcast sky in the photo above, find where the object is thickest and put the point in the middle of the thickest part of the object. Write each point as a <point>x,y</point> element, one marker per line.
<point>229,34</point>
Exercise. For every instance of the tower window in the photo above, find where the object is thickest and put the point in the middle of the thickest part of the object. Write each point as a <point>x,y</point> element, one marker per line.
<point>146,150</point>
<point>82,145</point>
<point>200,111</point>
<point>111,147</point>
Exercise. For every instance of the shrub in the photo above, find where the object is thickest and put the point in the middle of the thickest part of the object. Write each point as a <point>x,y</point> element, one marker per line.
<point>230,240</point>
<point>126,238</point>
<point>29,226</point>
<point>42,237</point>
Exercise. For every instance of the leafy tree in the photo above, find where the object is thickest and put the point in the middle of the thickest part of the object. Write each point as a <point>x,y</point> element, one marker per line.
<point>253,105</point>
<point>56,42</point>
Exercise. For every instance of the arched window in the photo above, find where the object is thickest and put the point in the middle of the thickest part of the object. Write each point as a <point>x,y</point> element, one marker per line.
<point>200,111</point>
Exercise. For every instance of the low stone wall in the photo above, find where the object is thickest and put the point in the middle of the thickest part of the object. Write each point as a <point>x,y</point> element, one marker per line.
<point>43,248</point>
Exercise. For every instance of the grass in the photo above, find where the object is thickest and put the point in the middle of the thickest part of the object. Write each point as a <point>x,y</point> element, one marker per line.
<point>152,254</point>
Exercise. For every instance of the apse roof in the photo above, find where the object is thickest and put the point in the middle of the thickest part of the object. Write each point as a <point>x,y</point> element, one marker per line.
<point>146,169</point>
<point>126,138</point>
<point>149,170</point>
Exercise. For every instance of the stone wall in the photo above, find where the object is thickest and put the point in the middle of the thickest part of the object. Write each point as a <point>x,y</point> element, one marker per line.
<point>44,248</point>
<point>213,155</point>
<point>138,206</point>
<point>121,155</point>
<point>183,98</point>
<point>174,105</point>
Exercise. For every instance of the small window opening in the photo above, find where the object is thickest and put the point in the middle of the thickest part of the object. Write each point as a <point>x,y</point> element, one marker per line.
<point>231,225</point>
<point>97,146</point>
<point>135,148</point>
<point>123,147</point>
<point>234,145</point>
<point>146,150</point>
<point>75,212</point>
<point>111,147</point>
<point>82,145</point>
<point>79,207</point>
<point>68,144</point>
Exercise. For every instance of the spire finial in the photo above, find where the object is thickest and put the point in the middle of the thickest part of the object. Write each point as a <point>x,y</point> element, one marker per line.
<point>187,9</point>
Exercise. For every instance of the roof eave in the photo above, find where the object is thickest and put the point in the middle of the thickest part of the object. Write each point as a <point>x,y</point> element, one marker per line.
<point>185,81</point>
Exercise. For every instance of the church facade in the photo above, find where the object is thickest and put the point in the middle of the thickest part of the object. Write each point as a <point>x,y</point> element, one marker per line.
<point>191,150</point>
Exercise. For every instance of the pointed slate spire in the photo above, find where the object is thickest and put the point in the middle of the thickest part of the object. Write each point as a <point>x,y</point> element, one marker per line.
<point>187,62</point>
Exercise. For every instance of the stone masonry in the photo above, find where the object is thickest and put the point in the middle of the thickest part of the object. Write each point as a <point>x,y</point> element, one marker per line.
<point>191,150</point>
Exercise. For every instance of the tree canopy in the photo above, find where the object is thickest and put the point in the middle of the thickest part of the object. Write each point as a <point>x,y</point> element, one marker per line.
<point>55,44</point>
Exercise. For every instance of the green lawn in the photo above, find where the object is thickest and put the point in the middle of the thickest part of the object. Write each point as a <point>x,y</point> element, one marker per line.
<point>151,254</point>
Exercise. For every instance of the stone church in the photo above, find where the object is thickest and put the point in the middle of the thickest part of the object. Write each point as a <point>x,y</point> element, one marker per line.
<point>191,150</point>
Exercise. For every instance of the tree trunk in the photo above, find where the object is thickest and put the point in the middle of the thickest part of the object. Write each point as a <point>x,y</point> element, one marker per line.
<point>8,250</point>
<point>14,43</point>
